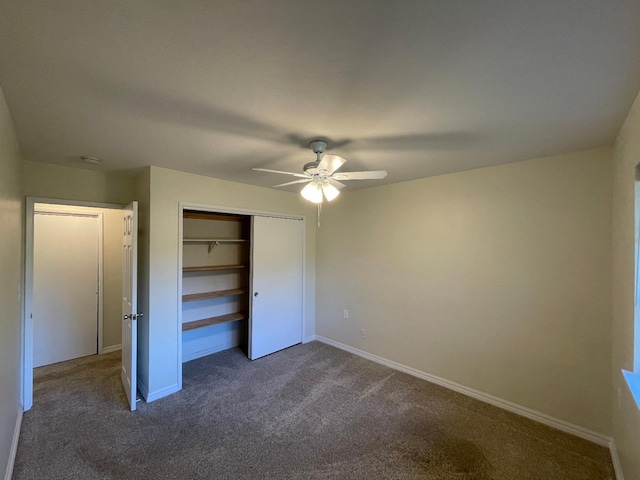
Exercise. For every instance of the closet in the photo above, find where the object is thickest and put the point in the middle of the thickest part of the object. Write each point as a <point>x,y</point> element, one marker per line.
<point>242,283</point>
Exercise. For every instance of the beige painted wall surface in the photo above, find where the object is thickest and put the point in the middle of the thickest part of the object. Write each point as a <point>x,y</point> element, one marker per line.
<point>626,416</point>
<point>168,187</point>
<point>112,289</point>
<point>11,249</point>
<point>497,279</point>
<point>67,183</point>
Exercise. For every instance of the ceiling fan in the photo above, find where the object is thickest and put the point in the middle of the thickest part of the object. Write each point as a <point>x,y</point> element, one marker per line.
<point>322,177</point>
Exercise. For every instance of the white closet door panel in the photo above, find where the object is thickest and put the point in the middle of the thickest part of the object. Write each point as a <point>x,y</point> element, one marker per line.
<point>65,287</point>
<point>277,266</point>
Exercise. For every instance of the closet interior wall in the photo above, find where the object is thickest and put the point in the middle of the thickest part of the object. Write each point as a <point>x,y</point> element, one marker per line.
<point>215,282</point>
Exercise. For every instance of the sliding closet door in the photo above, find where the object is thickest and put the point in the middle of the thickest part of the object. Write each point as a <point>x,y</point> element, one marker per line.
<point>277,263</point>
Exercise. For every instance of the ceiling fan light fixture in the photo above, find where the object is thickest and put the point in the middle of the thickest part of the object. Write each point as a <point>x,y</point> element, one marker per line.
<point>324,180</point>
<point>312,192</point>
<point>330,192</point>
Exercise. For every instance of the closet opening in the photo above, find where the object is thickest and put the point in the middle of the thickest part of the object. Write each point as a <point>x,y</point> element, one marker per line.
<point>241,278</point>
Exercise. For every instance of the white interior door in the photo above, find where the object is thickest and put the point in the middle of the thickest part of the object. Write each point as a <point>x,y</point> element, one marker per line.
<point>130,302</point>
<point>65,287</point>
<point>277,268</point>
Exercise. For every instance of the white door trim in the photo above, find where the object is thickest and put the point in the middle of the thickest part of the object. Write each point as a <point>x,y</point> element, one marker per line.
<point>182,206</point>
<point>27,321</point>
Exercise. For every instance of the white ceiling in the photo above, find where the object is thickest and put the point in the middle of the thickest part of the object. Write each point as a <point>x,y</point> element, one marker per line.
<point>417,88</point>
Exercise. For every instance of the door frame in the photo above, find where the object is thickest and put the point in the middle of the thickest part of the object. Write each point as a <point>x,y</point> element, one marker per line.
<point>182,206</point>
<point>27,321</point>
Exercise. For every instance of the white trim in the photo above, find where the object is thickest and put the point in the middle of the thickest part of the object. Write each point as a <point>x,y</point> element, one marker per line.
<point>578,431</point>
<point>308,339</point>
<point>181,208</point>
<point>111,349</point>
<point>14,447</point>
<point>150,397</point>
<point>209,351</point>
<point>615,459</point>
<point>27,318</point>
<point>100,280</point>
<point>303,313</point>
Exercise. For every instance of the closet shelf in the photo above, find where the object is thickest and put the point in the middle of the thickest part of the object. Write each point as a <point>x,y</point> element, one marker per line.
<point>193,297</point>
<point>209,240</point>
<point>210,268</point>
<point>213,241</point>
<point>206,322</point>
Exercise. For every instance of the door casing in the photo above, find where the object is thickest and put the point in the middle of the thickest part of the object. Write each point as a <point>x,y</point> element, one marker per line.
<point>27,321</point>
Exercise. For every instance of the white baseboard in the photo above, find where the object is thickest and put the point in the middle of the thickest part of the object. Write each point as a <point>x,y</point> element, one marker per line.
<point>308,339</point>
<point>112,348</point>
<point>187,357</point>
<point>14,447</point>
<point>615,459</point>
<point>545,419</point>
<point>151,396</point>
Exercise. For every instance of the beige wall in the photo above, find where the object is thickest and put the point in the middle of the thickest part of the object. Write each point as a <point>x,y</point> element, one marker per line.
<point>626,416</point>
<point>67,183</point>
<point>497,279</point>
<point>11,250</point>
<point>112,273</point>
<point>168,188</point>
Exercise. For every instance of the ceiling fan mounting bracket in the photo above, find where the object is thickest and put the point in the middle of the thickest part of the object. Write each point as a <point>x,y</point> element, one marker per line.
<point>318,146</point>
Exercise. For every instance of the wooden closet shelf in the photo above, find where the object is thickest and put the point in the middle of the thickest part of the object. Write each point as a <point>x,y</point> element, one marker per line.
<point>209,268</point>
<point>209,240</point>
<point>206,322</point>
<point>215,294</point>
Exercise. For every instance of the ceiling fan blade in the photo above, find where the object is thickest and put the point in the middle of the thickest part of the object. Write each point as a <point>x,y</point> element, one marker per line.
<point>330,163</point>
<point>302,175</point>
<point>372,175</point>
<point>294,182</point>
<point>336,183</point>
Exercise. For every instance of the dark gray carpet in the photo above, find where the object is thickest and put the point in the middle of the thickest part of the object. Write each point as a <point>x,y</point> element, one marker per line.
<point>311,411</point>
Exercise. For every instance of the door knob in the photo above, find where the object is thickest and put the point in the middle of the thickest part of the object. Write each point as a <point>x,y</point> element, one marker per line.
<point>255,294</point>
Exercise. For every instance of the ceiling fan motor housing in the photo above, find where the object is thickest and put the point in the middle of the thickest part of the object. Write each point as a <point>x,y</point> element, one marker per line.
<point>311,167</point>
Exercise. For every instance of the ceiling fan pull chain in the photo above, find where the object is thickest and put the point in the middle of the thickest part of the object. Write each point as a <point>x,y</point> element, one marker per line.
<point>319,212</point>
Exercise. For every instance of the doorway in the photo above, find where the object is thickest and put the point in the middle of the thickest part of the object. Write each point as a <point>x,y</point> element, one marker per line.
<point>102,332</point>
